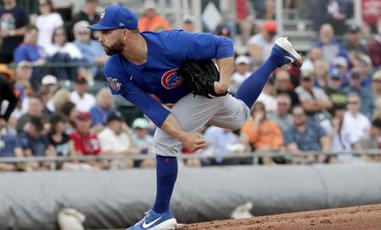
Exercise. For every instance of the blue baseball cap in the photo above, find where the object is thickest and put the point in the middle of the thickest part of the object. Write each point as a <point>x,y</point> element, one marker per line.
<point>334,73</point>
<point>116,17</point>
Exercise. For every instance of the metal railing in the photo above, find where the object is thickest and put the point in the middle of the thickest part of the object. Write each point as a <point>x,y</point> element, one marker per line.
<point>255,156</point>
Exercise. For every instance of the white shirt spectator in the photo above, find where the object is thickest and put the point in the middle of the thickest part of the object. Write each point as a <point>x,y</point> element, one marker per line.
<point>341,142</point>
<point>269,101</point>
<point>237,80</point>
<point>110,142</point>
<point>354,128</point>
<point>69,48</point>
<point>83,104</point>
<point>46,24</point>
<point>265,46</point>
<point>308,66</point>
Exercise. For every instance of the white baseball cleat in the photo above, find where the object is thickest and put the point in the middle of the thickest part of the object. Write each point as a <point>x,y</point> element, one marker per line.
<point>285,49</point>
<point>156,221</point>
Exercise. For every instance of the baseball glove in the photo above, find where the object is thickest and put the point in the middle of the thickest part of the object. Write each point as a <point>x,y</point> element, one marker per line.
<point>200,77</point>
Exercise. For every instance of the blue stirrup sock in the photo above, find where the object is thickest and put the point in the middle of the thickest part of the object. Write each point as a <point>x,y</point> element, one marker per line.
<point>166,174</point>
<point>250,89</point>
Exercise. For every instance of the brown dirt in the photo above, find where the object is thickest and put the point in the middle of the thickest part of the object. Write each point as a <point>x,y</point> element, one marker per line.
<point>359,217</point>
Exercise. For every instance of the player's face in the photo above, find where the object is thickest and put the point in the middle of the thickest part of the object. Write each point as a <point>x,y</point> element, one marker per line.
<point>111,40</point>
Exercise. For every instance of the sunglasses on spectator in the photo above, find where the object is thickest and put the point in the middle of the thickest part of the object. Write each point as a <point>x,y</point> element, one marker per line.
<point>298,114</point>
<point>355,76</point>
<point>283,103</point>
<point>306,79</point>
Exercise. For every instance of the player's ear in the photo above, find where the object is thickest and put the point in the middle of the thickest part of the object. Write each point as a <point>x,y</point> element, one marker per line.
<point>124,34</point>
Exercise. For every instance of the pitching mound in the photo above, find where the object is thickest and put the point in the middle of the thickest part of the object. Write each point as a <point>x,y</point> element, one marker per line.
<point>359,217</point>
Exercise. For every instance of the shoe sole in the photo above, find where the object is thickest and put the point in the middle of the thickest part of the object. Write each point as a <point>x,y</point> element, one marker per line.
<point>166,225</point>
<point>288,47</point>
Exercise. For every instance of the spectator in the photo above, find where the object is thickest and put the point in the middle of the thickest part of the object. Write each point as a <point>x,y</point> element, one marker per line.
<point>143,141</point>
<point>151,21</point>
<point>355,126</point>
<point>341,64</point>
<point>242,71</point>
<point>46,22</point>
<point>82,100</point>
<point>261,132</point>
<point>331,48</point>
<point>244,20</point>
<point>283,86</point>
<point>22,85</point>
<point>364,65</point>
<point>336,14</point>
<point>13,21</point>
<point>57,136</point>
<point>339,138</point>
<point>320,74</point>
<point>282,116</point>
<point>62,51</point>
<point>59,98</point>
<point>69,112</point>
<point>264,9</point>
<point>226,28</point>
<point>116,139</point>
<point>35,108</point>
<point>333,91</point>
<point>373,140</point>
<point>260,44</point>
<point>9,146</point>
<point>221,142</point>
<point>314,53</point>
<point>364,93</point>
<point>44,97</point>
<point>375,47</point>
<point>313,99</point>
<point>34,143</point>
<point>305,135</point>
<point>188,24</point>
<point>60,45</point>
<point>103,108</point>
<point>7,93</point>
<point>49,85</point>
<point>92,51</point>
<point>84,142</point>
<point>376,85</point>
<point>267,98</point>
<point>88,13</point>
<point>31,52</point>
<point>354,43</point>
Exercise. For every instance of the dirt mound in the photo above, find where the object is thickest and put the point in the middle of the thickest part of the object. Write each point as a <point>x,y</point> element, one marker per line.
<point>359,217</point>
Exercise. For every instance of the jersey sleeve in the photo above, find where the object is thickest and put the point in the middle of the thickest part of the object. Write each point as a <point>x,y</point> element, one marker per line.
<point>200,46</point>
<point>120,84</point>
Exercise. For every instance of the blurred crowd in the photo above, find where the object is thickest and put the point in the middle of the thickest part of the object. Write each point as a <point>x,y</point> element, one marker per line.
<point>332,104</point>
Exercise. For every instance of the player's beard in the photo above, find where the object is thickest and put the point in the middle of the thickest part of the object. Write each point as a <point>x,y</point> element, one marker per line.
<point>118,47</point>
